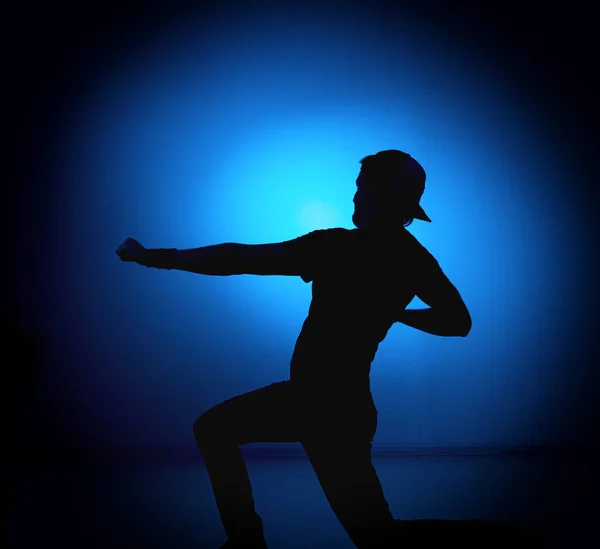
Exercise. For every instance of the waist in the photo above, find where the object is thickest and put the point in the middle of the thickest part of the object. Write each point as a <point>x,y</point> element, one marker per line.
<point>326,390</point>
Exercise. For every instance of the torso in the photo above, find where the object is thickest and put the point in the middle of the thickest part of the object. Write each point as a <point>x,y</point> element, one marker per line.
<point>362,285</point>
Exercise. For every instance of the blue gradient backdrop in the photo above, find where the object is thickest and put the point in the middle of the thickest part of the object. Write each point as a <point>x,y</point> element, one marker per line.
<point>250,128</point>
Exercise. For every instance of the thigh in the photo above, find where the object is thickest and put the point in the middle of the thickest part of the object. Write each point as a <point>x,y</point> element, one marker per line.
<point>264,415</point>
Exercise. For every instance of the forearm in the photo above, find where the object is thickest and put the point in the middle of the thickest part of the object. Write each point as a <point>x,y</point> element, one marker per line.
<point>219,259</point>
<point>436,323</point>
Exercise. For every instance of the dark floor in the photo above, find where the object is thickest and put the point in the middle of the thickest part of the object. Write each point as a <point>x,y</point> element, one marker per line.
<point>170,504</point>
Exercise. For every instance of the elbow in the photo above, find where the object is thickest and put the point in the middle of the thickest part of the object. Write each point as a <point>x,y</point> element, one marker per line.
<point>458,321</point>
<point>465,324</point>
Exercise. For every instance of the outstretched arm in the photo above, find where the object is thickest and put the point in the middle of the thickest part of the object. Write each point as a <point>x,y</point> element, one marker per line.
<point>300,256</point>
<point>226,259</point>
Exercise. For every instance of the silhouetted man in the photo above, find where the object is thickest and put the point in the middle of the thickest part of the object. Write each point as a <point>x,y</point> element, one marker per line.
<point>362,281</point>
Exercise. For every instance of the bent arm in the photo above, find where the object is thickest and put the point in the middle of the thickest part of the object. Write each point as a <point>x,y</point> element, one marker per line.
<point>435,322</point>
<point>447,316</point>
<point>226,259</point>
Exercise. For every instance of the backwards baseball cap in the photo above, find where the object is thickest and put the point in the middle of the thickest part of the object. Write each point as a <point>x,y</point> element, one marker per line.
<point>401,175</point>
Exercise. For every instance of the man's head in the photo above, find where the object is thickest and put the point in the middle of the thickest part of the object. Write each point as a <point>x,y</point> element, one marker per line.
<point>389,187</point>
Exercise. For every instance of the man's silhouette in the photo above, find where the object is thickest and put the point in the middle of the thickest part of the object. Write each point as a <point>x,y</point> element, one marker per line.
<point>362,281</point>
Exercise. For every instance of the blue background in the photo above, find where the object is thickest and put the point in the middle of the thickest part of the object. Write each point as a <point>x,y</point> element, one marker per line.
<point>247,125</point>
<point>185,127</point>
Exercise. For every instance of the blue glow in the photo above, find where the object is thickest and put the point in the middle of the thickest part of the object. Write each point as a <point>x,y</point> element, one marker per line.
<point>251,131</point>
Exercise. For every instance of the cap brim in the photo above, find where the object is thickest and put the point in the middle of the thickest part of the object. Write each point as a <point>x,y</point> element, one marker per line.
<point>420,214</point>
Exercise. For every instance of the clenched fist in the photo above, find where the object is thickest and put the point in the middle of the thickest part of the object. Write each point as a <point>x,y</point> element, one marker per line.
<point>131,250</point>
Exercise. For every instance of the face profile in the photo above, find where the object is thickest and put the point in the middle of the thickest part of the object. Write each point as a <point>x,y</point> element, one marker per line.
<point>365,208</point>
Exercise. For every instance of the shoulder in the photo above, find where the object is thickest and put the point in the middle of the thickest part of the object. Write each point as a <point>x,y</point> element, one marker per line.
<point>319,236</point>
<point>421,255</point>
<point>334,232</point>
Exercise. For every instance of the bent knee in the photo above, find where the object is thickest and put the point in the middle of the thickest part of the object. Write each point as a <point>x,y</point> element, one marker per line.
<point>208,431</point>
<point>202,428</point>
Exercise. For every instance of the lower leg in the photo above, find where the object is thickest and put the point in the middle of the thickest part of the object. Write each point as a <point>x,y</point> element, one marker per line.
<point>365,515</point>
<point>354,492</point>
<point>231,486</point>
